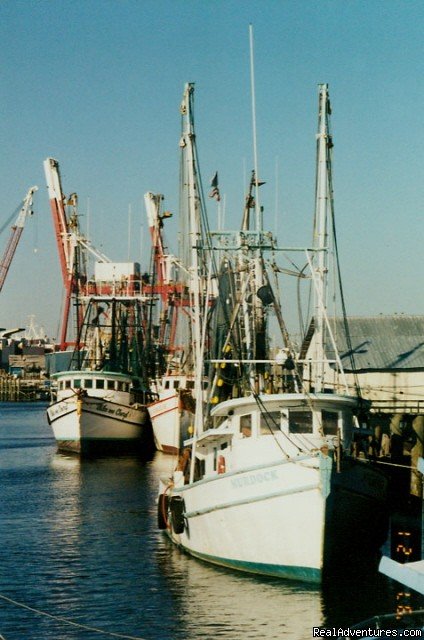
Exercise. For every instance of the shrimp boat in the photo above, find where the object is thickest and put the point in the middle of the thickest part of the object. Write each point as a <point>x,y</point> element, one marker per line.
<point>172,409</point>
<point>171,412</point>
<point>101,375</point>
<point>100,403</point>
<point>267,484</point>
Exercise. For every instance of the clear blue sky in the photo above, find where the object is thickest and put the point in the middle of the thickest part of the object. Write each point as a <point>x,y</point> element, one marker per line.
<point>97,85</point>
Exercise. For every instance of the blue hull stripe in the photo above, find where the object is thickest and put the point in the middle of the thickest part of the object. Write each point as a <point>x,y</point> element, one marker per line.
<point>306,574</point>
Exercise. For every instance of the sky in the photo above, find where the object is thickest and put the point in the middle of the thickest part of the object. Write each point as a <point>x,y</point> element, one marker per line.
<point>97,85</point>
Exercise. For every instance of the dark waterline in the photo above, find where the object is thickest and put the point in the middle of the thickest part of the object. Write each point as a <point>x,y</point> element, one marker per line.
<point>78,540</point>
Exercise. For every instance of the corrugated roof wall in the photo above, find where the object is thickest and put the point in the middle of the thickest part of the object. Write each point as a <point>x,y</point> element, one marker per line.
<point>382,342</point>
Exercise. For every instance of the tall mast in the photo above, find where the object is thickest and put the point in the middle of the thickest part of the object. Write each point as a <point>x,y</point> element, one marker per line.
<point>258,311</point>
<point>192,185</point>
<point>322,208</point>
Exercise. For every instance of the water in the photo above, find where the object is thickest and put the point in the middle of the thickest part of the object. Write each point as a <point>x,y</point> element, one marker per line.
<point>78,540</point>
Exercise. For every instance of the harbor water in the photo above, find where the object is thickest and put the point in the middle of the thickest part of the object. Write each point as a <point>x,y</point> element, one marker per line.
<point>81,557</point>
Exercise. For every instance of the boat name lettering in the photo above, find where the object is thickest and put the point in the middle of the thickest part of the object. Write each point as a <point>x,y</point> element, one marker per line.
<point>256,478</point>
<point>115,412</point>
<point>58,409</point>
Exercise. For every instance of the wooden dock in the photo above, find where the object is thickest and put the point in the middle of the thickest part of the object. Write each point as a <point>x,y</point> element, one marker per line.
<point>15,389</point>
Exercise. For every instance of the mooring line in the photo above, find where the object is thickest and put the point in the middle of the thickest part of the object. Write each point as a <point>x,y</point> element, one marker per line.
<point>65,620</point>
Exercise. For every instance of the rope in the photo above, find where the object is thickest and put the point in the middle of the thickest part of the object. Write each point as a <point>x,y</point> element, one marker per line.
<point>65,620</point>
<point>9,220</point>
<point>268,420</point>
<point>392,464</point>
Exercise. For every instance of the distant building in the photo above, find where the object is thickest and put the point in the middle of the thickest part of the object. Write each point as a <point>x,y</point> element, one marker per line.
<point>385,356</point>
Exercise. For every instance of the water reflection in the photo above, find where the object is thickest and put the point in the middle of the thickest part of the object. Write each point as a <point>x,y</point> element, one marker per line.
<point>215,602</point>
<point>231,603</point>
<point>79,539</point>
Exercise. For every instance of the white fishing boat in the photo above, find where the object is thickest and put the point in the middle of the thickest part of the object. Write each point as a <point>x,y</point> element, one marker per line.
<point>172,413</point>
<point>99,403</point>
<point>267,483</point>
<point>101,376</point>
<point>97,411</point>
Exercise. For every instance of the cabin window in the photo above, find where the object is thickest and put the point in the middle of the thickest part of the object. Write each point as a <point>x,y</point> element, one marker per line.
<point>176,384</point>
<point>300,422</point>
<point>190,384</point>
<point>167,384</point>
<point>67,384</point>
<point>246,425</point>
<point>77,383</point>
<point>119,385</point>
<point>111,384</point>
<point>100,384</point>
<point>60,386</point>
<point>205,384</point>
<point>270,422</point>
<point>330,422</point>
<point>88,383</point>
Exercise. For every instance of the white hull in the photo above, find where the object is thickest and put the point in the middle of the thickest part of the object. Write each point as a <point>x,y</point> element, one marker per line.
<point>172,413</point>
<point>257,506</point>
<point>170,424</point>
<point>268,520</point>
<point>165,417</point>
<point>88,424</point>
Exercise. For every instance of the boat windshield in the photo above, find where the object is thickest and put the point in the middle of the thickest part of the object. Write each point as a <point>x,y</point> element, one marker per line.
<point>300,421</point>
<point>270,422</point>
<point>330,422</point>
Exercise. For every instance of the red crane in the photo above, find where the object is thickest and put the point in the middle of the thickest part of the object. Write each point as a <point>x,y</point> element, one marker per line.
<point>72,246</point>
<point>16,232</point>
<point>166,278</point>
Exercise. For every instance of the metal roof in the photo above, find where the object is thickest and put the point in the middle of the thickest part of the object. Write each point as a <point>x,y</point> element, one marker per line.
<point>381,342</point>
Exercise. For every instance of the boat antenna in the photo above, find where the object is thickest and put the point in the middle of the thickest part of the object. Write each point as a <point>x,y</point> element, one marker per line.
<point>255,148</point>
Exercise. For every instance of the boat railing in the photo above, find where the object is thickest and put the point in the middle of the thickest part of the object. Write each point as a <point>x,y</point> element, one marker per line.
<point>412,406</point>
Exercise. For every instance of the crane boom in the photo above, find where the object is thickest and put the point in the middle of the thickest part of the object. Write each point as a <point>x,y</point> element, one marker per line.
<point>15,235</point>
<point>57,205</point>
<point>72,246</point>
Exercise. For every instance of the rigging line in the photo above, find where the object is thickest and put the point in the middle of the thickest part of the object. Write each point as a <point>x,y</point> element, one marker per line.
<point>300,436</point>
<point>269,418</point>
<point>66,620</point>
<point>336,251</point>
<point>302,326</point>
<point>197,173</point>
<point>329,328</point>
<point>10,218</point>
<point>392,464</point>
<point>231,321</point>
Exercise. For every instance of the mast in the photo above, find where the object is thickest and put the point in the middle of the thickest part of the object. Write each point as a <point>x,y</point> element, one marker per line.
<point>258,311</point>
<point>322,206</point>
<point>188,142</point>
<point>197,289</point>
